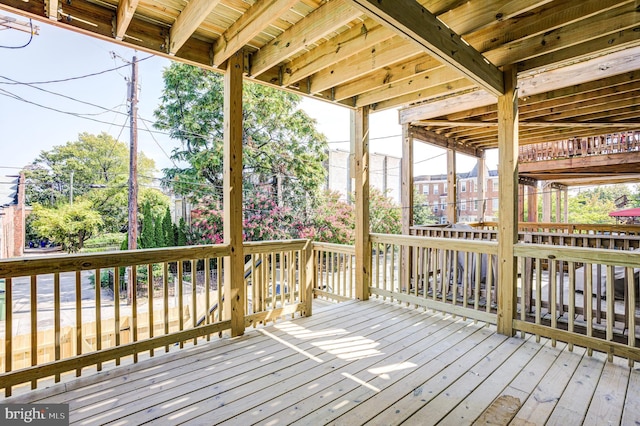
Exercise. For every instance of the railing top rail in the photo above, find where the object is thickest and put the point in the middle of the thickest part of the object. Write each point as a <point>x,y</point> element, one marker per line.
<point>82,262</point>
<point>337,248</point>
<point>630,259</point>
<point>478,246</point>
<point>255,247</point>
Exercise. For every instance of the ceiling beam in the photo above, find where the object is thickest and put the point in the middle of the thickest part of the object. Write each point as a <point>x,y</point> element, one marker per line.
<point>51,9</point>
<point>194,14</point>
<point>259,16</point>
<point>124,15</point>
<point>528,85</point>
<point>357,66</point>
<point>413,22</point>
<point>433,138</point>
<point>573,124</point>
<point>351,42</point>
<point>316,25</point>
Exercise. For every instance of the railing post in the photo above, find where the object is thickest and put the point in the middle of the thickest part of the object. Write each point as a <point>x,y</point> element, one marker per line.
<point>508,209</point>
<point>308,275</point>
<point>234,286</point>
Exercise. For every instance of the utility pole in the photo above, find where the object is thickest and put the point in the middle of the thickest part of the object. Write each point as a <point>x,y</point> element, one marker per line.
<point>133,167</point>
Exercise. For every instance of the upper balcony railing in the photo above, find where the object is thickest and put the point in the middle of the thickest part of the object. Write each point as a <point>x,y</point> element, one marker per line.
<point>580,147</point>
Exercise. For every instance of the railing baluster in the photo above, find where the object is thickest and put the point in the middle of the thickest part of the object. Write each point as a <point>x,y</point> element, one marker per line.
<point>134,307</point>
<point>150,301</point>
<point>572,299</point>
<point>180,298</point>
<point>8,331</point>
<point>33,297</point>
<point>78,285</point>
<point>631,305</point>
<point>56,320</point>
<point>165,299</point>
<point>611,310</point>
<point>194,298</point>
<point>588,295</point>
<point>98,313</point>
<point>116,307</point>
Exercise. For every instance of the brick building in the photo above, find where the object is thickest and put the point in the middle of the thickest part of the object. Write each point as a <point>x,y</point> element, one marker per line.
<point>469,202</point>
<point>12,215</point>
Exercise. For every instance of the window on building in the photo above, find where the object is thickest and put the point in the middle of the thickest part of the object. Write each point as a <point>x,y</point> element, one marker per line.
<point>474,204</point>
<point>495,204</point>
<point>495,185</point>
<point>435,208</point>
<point>443,205</point>
<point>444,188</point>
<point>435,189</point>
<point>463,186</point>
<point>425,189</point>
<point>463,205</point>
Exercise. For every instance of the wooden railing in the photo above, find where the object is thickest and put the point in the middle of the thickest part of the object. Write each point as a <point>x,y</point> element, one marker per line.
<point>455,276</point>
<point>59,318</point>
<point>582,296</point>
<point>580,147</point>
<point>334,271</point>
<point>556,271</point>
<point>553,227</point>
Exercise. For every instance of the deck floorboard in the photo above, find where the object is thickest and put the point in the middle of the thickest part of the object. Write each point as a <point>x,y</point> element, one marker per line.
<point>356,363</point>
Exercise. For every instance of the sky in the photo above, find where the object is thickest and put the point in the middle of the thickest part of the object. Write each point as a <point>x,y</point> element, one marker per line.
<point>67,101</point>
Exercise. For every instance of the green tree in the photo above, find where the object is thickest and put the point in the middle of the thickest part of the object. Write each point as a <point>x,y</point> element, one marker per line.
<point>281,147</point>
<point>148,232</point>
<point>594,205</point>
<point>422,212</point>
<point>331,220</point>
<point>385,216</point>
<point>167,229</point>
<point>100,168</point>
<point>67,224</point>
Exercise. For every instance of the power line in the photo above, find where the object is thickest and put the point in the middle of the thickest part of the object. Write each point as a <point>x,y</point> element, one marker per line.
<point>62,80</point>
<point>27,43</point>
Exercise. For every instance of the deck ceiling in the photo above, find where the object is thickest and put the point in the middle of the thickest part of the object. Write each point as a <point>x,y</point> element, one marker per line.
<point>440,60</point>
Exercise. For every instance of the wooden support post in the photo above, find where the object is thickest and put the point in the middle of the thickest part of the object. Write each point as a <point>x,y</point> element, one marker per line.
<point>406,196</point>
<point>363,243</point>
<point>521,203</point>
<point>546,202</point>
<point>482,187</point>
<point>532,203</point>
<point>234,291</point>
<point>452,206</point>
<point>507,212</point>
<point>558,205</point>
<point>307,267</point>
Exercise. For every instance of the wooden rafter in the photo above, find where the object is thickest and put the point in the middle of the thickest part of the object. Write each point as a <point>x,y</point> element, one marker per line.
<point>557,79</point>
<point>349,69</point>
<point>194,14</point>
<point>126,9</point>
<point>51,7</point>
<point>414,22</point>
<point>433,138</point>
<point>572,124</point>
<point>324,20</point>
<point>250,24</point>
<point>351,42</point>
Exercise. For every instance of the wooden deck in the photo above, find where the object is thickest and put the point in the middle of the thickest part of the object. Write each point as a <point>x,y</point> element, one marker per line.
<point>356,363</point>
